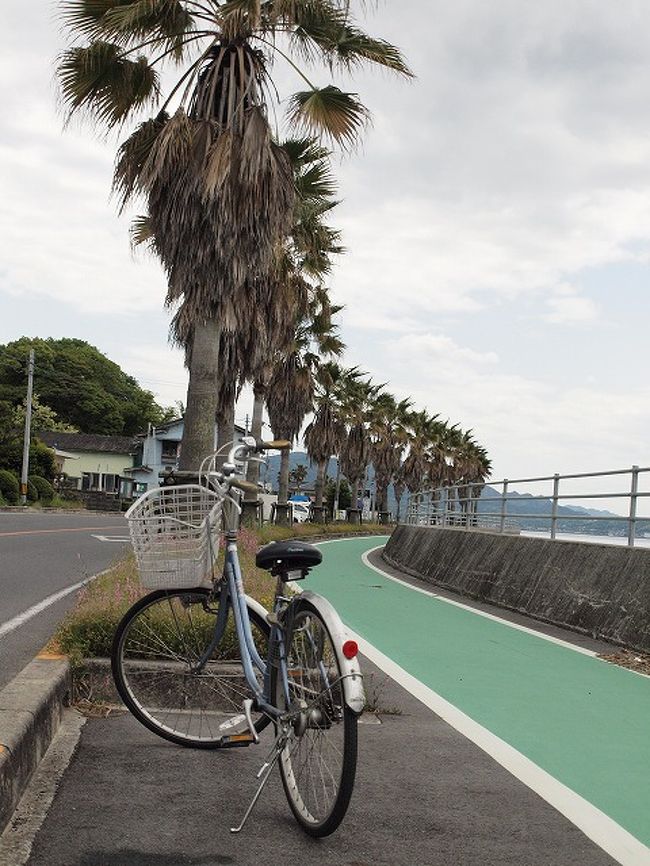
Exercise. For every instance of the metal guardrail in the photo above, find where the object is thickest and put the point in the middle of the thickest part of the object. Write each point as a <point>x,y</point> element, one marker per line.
<point>457,504</point>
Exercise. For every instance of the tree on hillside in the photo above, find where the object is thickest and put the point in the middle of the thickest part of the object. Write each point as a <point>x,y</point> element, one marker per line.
<point>43,418</point>
<point>218,189</point>
<point>81,385</point>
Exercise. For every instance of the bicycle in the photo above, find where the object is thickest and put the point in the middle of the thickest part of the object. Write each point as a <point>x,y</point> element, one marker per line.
<point>201,664</point>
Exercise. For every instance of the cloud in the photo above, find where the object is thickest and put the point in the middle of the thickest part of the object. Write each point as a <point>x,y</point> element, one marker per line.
<point>568,308</point>
<point>487,196</point>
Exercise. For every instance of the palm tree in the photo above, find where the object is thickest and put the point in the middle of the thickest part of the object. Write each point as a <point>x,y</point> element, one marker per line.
<point>291,386</point>
<point>471,466</point>
<point>325,435</point>
<point>307,253</point>
<point>355,453</point>
<point>219,191</point>
<point>389,437</point>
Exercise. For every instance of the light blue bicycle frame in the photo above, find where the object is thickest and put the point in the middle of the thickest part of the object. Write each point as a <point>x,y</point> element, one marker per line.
<point>232,595</point>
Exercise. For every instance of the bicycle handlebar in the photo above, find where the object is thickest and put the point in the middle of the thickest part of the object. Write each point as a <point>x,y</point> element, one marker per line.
<point>242,484</point>
<point>278,444</point>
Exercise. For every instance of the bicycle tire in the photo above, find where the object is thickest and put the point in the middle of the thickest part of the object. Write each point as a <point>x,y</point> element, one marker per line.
<point>318,763</point>
<point>157,643</point>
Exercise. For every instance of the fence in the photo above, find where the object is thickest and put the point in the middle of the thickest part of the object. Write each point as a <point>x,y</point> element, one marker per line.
<point>464,505</point>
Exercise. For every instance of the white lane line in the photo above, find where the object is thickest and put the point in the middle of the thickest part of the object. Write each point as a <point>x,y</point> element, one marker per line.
<point>33,611</point>
<point>122,539</point>
<point>625,848</point>
<point>556,640</point>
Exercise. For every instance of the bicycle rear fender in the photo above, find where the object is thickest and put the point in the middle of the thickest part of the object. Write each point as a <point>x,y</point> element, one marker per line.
<point>355,696</point>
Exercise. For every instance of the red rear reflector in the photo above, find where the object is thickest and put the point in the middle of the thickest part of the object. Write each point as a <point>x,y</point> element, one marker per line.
<point>350,649</point>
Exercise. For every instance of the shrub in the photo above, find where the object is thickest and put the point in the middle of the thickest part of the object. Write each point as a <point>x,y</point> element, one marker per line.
<point>43,487</point>
<point>9,487</point>
<point>32,491</point>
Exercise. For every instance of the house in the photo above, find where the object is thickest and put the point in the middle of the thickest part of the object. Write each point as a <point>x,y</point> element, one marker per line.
<point>94,462</point>
<point>159,450</point>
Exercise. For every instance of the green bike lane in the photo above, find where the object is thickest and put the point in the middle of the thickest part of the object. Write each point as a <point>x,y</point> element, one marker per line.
<point>584,722</point>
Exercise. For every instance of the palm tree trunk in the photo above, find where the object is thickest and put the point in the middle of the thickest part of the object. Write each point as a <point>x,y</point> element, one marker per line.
<point>283,479</point>
<point>338,488</point>
<point>253,471</point>
<point>198,427</point>
<point>226,427</point>
<point>282,509</point>
<point>354,512</point>
<point>319,485</point>
<point>250,514</point>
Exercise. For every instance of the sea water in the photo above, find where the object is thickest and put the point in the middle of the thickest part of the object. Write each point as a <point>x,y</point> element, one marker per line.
<point>590,539</point>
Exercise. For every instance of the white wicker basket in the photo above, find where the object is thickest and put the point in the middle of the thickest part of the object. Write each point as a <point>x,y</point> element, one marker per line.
<point>175,534</point>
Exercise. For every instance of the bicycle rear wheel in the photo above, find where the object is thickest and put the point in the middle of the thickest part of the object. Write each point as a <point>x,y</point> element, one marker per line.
<point>169,678</point>
<point>318,763</point>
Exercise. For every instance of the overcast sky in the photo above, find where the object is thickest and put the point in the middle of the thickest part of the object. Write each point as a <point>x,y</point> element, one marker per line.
<point>497,219</point>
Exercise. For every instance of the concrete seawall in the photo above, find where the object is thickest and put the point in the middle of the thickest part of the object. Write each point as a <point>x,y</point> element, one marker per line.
<point>596,589</point>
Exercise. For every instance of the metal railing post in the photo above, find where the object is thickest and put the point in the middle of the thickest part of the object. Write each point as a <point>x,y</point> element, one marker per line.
<point>556,490</point>
<point>631,526</point>
<point>504,505</point>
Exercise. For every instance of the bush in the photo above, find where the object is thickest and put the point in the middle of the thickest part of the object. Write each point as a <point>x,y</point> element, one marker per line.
<point>9,487</point>
<point>44,488</point>
<point>32,491</point>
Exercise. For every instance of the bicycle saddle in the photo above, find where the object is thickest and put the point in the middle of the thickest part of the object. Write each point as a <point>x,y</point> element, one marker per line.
<point>280,557</point>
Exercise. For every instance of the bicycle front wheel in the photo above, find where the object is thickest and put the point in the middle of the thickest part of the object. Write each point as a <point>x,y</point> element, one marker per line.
<point>170,677</point>
<point>318,762</point>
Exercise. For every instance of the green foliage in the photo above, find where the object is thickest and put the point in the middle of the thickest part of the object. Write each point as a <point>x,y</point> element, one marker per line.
<point>79,384</point>
<point>9,487</point>
<point>41,458</point>
<point>32,492</point>
<point>298,475</point>
<point>345,495</point>
<point>43,418</point>
<point>44,489</point>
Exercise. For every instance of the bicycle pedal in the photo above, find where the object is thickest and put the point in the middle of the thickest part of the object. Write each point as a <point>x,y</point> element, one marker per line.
<point>237,741</point>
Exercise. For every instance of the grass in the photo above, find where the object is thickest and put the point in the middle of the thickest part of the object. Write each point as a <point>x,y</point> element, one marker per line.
<point>58,502</point>
<point>87,631</point>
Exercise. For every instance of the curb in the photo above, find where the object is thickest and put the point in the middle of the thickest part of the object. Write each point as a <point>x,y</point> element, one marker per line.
<point>31,707</point>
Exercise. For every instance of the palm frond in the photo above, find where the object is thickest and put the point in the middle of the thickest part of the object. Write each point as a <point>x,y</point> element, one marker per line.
<point>331,112</point>
<point>141,231</point>
<point>104,83</point>
<point>132,157</point>
<point>126,22</point>
<point>352,47</point>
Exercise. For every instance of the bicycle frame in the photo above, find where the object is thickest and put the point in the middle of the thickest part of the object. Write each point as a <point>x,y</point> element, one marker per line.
<point>232,595</point>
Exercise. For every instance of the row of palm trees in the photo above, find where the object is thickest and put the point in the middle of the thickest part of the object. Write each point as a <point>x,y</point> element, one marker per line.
<point>238,216</point>
<point>362,424</point>
<point>235,215</point>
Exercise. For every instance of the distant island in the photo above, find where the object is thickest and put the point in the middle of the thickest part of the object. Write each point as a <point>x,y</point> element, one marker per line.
<point>524,503</point>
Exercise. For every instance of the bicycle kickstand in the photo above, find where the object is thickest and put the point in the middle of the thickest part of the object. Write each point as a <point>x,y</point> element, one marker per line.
<point>263,774</point>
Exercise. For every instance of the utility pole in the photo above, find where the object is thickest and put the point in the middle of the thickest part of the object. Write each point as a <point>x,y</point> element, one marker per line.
<point>28,426</point>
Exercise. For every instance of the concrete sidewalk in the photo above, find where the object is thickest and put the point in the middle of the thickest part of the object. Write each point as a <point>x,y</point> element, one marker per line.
<point>424,796</point>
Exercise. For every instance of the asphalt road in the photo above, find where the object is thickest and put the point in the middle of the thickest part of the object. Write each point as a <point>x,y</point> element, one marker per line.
<point>431,789</point>
<point>42,555</point>
<point>424,796</point>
